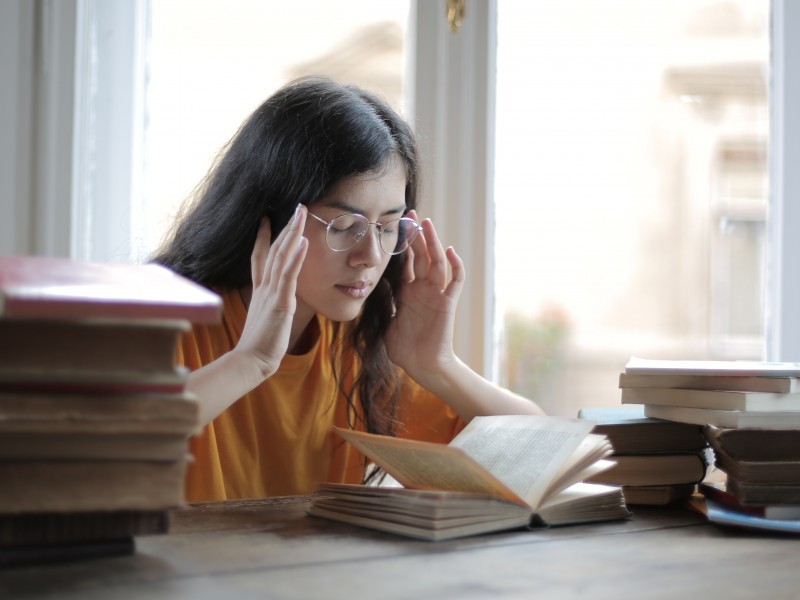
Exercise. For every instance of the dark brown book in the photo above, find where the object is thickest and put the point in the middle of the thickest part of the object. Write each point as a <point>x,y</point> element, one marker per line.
<point>629,431</point>
<point>52,350</point>
<point>86,486</point>
<point>657,495</point>
<point>756,444</point>
<point>91,445</point>
<point>784,472</point>
<point>760,495</point>
<point>94,381</point>
<point>98,413</point>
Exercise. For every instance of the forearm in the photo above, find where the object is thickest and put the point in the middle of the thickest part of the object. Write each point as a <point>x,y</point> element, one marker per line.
<point>472,395</point>
<point>219,384</point>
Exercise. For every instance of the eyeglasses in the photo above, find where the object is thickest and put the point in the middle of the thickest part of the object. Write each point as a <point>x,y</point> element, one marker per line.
<point>345,231</point>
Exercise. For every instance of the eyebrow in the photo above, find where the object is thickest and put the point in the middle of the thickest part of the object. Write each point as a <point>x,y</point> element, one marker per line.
<point>353,209</point>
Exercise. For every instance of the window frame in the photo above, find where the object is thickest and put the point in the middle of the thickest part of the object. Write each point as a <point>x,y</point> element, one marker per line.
<point>46,209</point>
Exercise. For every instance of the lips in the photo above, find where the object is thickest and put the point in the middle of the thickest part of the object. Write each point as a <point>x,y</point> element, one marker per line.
<point>358,290</point>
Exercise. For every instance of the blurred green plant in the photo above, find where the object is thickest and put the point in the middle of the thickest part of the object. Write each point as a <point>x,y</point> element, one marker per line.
<point>532,350</point>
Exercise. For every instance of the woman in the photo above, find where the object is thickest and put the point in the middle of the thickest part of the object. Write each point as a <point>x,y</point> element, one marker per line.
<point>338,307</point>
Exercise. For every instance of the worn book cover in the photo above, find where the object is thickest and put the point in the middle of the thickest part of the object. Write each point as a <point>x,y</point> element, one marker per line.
<point>755,444</point>
<point>778,419</point>
<point>58,288</point>
<point>780,385</point>
<point>74,350</point>
<point>716,399</point>
<point>655,468</point>
<point>91,485</point>
<point>630,431</point>
<point>770,472</point>
<point>657,495</point>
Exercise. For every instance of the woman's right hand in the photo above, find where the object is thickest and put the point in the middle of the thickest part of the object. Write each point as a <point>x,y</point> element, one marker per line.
<point>274,269</point>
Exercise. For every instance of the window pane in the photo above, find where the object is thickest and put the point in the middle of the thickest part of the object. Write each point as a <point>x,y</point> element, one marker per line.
<point>212,62</point>
<point>631,189</point>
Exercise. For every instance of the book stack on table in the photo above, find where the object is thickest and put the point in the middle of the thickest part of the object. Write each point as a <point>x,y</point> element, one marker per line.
<point>731,394</point>
<point>762,468</point>
<point>658,462</point>
<point>94,414</point>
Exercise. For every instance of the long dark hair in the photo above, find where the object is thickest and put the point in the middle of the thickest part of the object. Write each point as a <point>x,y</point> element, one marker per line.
<point>291,150</point>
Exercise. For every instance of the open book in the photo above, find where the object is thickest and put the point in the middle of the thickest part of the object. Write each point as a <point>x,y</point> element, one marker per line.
<point>500,472</point>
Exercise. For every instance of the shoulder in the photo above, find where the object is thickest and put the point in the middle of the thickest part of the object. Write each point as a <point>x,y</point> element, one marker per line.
<point>206,342</point>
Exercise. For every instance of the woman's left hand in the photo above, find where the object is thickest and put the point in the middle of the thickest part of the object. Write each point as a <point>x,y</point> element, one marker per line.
<point>420,338</point>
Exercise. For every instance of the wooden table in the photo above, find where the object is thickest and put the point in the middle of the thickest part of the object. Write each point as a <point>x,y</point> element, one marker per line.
<point>272,549</point>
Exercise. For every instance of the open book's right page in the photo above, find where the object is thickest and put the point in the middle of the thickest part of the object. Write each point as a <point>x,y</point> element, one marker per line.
<point>529,453</point>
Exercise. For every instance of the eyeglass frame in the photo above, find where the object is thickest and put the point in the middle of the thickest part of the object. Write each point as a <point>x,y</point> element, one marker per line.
<point>379,226</point>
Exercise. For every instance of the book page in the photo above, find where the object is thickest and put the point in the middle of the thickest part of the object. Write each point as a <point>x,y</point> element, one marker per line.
<point>525,452</point>
<point>424,465</point>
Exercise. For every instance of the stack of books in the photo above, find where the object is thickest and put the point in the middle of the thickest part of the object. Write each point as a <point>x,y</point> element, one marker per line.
<point>762,468</point>
<point>732,394</point>
<point>94,414</point>
<point>658,462</point>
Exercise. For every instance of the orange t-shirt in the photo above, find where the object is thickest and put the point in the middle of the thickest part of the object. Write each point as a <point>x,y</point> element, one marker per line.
<point>277,440</point>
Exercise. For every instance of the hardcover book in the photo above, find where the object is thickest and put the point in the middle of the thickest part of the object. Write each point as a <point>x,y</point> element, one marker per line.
<point>57,288</point>
<point>499,473</point>
<point>658,468</point>
<point>716,399</point>
<point>630,431</point>
<point>740,368</point>
<point>755,444</point>
<point>783,419</point>
<point>779,385</point>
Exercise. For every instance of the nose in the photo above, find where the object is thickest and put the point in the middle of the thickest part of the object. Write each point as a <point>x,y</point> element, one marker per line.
<point>367,251</point>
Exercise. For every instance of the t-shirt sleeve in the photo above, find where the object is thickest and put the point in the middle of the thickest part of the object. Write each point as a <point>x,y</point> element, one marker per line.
<point>425,417</point>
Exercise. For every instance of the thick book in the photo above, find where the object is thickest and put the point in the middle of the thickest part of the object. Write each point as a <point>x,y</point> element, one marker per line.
<point>630,431</point>
<point>742,368</point>
<point>499,473</point>
<point>779,385</point>
<point>93,445</point>
<point>716,399</point>
<point>74,350</point>
<point>783,419</point>
<point>769,472</point>
<point>94,381</point>
<point>755,444</point>
<point>84,486</point>
<point>57,288</point>
<point>661,468</point>
<point>718,492</point>
<point>657,495</point>
<point>98,413</point>
<point>763,494</point>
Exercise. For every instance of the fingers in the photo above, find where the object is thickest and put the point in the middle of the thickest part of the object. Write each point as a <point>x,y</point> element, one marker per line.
<point>437,268</point>
<point>290,241</point>
<point>456,285</point>
<point>271,259</point>
<point>258,258</point>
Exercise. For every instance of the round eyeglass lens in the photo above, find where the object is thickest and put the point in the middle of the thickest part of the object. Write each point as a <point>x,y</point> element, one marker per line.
<point>345,231</point>
<point>397,235</point>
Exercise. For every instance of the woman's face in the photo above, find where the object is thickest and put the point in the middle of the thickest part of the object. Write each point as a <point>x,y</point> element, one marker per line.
<point>336,284</point>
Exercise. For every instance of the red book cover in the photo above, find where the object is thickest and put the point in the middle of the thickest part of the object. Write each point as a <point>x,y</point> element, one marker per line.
<point>59,288</point>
